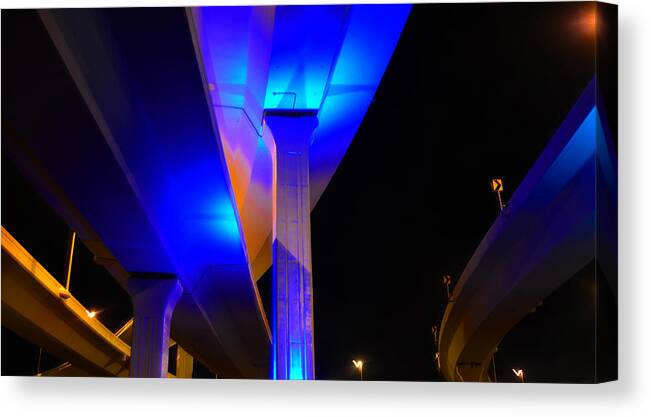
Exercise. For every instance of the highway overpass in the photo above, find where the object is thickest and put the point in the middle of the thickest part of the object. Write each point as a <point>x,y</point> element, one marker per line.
<point>546,233</point>
<point>189,157</point>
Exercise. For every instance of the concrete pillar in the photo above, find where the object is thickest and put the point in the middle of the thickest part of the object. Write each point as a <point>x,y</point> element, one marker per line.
<point>153,300</point>
<point>293,349</point>
<point>184,363</point>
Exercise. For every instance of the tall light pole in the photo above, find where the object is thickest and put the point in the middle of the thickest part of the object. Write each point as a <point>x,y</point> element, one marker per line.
<point>71,250</point>
<point>359,365</point>
<point>447,280</point>
<point>519,373</point>
<point>435,335</point>
<point>64,293</point>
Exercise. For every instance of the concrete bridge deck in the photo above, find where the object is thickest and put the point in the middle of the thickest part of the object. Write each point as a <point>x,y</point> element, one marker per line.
<point>33,307</point>
<point>543,237</point>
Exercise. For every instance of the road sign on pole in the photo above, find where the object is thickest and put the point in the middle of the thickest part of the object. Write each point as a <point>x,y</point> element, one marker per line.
<point>498,187</point>
<point>447,280</point>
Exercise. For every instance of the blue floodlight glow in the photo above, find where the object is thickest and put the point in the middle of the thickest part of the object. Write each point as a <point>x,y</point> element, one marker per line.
<point>579,150</point>
<point>296,370</point>
<point>224,221</point>
<point>306,42</point>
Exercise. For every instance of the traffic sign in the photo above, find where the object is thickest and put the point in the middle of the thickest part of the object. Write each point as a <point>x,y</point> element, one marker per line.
<point>497,185</point>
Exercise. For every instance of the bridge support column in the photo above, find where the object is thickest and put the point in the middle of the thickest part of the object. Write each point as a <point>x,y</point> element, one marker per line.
<point>293,331</point>
<point>153,304</point>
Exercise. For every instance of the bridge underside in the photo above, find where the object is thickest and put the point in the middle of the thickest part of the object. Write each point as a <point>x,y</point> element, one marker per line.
<point>165,165</point>
<point>544,236</point>
<point>92,156</point>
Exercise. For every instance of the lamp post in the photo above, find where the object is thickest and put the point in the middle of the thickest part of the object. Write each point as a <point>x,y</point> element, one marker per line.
<point>359,365</point>
<point>64,293</point>
<point>447,280</point>
<point>519,373</point>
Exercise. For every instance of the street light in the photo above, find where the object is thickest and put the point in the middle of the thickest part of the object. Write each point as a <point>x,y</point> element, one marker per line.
<point>359,365</point>
<point>519,373</point>
<point>587,23</point>
<point>91,314</point>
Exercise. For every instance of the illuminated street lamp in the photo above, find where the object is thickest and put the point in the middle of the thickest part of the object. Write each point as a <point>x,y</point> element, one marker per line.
<point>359,365</point>
<point>587,23</point>
<point>519,373</point>
<point>91,314</point>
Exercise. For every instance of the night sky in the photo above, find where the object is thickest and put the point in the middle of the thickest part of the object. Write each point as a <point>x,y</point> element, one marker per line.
<point>473,92</point>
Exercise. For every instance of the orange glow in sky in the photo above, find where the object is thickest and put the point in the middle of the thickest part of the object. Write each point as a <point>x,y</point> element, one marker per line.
<point>588,22</point>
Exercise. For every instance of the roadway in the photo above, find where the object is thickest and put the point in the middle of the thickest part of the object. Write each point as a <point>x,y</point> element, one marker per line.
<point>543,237</point>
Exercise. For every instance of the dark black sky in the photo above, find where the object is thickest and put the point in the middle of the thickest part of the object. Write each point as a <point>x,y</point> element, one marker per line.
<point>473,92</point>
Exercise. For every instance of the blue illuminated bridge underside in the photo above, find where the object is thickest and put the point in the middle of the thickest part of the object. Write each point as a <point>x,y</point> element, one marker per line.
<point>169,172</point>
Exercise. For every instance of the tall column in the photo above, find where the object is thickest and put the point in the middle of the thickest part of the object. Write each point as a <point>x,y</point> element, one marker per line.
<point>293,328</point>
<point>153,300</point>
